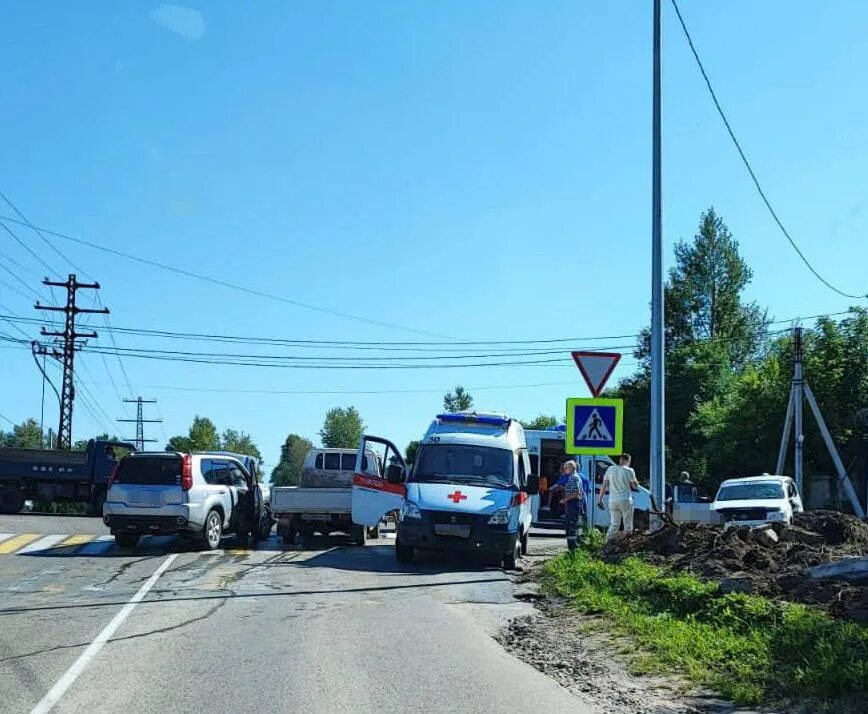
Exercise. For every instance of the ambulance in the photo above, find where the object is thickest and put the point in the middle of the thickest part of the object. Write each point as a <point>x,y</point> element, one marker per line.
<point>547,451</point>
<point>469,489</point>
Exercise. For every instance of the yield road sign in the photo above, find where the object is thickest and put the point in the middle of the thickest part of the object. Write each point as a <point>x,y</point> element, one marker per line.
<point>596,368</point>
<point>594,426</point>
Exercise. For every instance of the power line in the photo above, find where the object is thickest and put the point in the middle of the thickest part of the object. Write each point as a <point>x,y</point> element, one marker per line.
<point>17,291</point>
<point>110,330</point>
<point>27,247</point>
<point>42,236</point>
<point>26,286</point>
<point>225,283</point>
<point>747,164</point>
<point>6,418</point>
<point>451,346</point>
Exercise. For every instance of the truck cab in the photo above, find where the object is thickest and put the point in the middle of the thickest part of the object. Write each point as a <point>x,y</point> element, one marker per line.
<point>469,489</point>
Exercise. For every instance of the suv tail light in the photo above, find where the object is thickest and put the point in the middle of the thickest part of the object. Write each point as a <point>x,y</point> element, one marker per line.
<point>113,476</point>
<point>186,472</point>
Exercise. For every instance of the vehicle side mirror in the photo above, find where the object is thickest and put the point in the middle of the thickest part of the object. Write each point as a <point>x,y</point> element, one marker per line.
<point>395,473</point>
<point>532,487</point>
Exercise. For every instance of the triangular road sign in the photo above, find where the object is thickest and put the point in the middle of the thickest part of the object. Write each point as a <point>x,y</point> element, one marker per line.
<point>596,367</point>
<point>594,429</point>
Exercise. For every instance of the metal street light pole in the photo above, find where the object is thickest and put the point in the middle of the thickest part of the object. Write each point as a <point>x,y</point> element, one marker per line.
<point>658,456</point>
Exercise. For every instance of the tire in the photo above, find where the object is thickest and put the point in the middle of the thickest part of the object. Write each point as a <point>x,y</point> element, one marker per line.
<point>265,525</point>
<point>360,535</point>
<point>11,499</point>
<point>212,530</point>
<point>242,539</point>
<point>404,554</point>
<point>524,544</point>
<point>511,560</point>
<point>127,540</point>
<point>374,533</point>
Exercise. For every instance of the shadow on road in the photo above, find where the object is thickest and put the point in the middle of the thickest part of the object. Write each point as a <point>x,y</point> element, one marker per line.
<point>251,595</point>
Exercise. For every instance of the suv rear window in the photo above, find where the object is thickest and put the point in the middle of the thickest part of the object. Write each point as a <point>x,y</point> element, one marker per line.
<point>348,462</point>
<point>332,462</point>
<point>150,470</point>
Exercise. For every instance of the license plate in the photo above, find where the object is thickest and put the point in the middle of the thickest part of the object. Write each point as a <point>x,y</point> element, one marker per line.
<point>451,529</point>
<point>316,517</point>
<point>149,498</point>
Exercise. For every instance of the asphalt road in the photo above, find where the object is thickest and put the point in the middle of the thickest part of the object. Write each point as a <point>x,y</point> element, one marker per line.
<point>329,629</point>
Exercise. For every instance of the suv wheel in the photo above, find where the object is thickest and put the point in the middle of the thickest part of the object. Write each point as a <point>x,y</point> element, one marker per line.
<point>510,561</point>
<point>127,540</point>
<point>212,530</point>
<point>404,553</point>
<point>11,498</point>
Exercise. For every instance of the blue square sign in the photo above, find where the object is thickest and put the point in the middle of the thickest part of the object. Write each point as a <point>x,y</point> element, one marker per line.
<point>594,426</point>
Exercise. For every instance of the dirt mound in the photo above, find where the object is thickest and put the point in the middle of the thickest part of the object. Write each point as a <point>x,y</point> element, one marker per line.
<point>769,561</point>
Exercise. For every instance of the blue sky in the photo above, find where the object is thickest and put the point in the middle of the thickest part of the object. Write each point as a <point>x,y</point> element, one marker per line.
<point>474,170</point>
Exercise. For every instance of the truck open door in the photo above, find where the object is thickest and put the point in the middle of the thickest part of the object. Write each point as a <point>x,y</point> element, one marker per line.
<point>378,481</point>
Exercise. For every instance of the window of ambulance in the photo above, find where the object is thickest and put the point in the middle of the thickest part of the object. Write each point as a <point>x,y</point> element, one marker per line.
<point>150,470</point>
<point>465,464</point>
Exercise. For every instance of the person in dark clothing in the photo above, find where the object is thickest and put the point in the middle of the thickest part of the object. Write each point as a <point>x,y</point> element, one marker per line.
<point>573,502</point>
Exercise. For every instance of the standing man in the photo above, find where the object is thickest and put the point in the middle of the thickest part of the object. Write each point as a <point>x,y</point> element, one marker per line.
<point>573,502</point>
<point>619,482</point>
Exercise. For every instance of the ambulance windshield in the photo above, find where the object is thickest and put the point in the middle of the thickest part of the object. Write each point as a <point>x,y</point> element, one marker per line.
<point>465,464</point>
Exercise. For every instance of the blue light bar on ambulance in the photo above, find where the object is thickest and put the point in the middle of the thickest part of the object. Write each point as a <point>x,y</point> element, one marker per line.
<point>471,418</point>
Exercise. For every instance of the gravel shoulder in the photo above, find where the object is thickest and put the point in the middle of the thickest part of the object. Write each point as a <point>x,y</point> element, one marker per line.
<point>585,656</point>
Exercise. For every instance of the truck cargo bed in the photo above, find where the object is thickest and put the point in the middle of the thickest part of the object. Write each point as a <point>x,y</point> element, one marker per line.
<point>292,499</point>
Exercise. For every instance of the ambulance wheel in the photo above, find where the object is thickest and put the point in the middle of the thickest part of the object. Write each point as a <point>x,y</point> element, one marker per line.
<point>511,560</point>
<point>524,544</point>
<point>404,553</point>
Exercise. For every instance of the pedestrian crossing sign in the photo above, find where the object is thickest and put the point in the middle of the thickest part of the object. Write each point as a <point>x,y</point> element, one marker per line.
<point>594,426</point>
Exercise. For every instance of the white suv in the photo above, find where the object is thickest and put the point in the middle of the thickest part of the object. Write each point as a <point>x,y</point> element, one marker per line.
<point>203,495</point>
<point>756,500</point>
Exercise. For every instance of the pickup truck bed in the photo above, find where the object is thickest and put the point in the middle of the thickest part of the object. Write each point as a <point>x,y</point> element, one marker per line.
<point>306,511</point>
<point>291,499</point>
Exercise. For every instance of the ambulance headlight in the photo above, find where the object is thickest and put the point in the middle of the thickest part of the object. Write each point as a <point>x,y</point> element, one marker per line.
<point>499,518</point>
<point>410,510</point>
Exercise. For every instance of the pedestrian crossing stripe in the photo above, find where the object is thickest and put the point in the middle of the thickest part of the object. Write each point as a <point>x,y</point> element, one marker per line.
<point>89,544</point>
<point>21,540</point>
<point>55,544</point>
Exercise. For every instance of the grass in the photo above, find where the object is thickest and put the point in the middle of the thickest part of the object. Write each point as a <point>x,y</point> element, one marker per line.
<point>751,649</point>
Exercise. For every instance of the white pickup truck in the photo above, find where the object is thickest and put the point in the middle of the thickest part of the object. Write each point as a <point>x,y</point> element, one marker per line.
<point>323,503</point>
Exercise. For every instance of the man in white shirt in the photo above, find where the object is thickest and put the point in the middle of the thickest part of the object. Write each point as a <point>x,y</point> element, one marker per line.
<point>619,482</point>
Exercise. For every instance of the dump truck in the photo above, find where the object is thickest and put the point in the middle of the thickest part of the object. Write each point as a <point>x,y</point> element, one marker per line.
<point>55,475</point>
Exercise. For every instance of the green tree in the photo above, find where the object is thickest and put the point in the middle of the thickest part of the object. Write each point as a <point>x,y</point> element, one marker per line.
<point>81,444</point>
<point>540,422</point>
<point>202,436</point>
<point>292,454</point>
<point>342,428</point>
<point>711,334</point>
<point>26,435</point>
<point>239,442</point>
<point>457,401</point>
<point>411,451</point>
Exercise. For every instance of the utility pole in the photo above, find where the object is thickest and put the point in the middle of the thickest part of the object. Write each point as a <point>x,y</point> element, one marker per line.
<point>799,391</point>
<point>658,395</point>
<point>798,402</point>
<point>69,336</point>
<point>140,421</point>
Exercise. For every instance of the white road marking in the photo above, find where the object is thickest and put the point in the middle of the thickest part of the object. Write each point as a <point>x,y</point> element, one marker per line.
<point>42,544</point>
<point>57,691</point>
